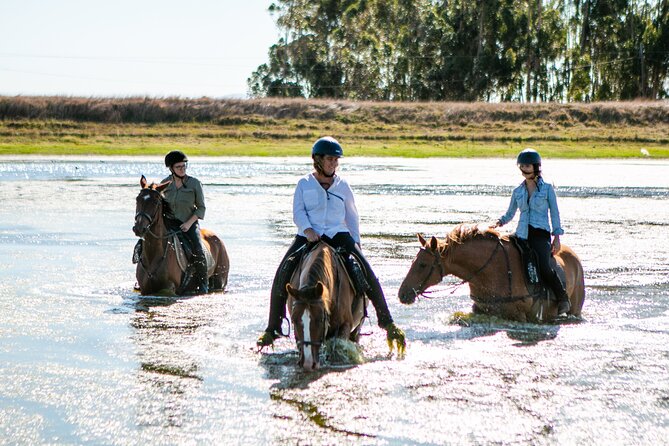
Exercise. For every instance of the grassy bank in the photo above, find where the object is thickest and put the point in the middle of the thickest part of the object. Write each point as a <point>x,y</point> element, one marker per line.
<point>138,126</point>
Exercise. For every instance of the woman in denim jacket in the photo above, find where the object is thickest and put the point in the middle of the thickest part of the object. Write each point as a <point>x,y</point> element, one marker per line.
<point>536,200</point>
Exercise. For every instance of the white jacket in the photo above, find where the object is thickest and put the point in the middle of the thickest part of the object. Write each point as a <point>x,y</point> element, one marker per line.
<point>325,211</point>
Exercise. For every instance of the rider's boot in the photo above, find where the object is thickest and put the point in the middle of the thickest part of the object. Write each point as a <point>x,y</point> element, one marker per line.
<point>561,294</point>
<point>563,303</point>
<point>277,305</point>
<point>357,275</point>
<point>200,279</point>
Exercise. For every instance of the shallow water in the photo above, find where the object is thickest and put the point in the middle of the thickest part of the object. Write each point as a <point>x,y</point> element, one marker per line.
<point>85,360</point>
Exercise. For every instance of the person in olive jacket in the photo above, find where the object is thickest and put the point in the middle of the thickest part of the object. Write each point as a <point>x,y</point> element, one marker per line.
<point>186,207</point>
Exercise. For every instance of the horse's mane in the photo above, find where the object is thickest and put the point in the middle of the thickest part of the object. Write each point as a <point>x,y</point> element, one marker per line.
<point>319,271</point>
<point>463,233</point>
<point>167,210</point>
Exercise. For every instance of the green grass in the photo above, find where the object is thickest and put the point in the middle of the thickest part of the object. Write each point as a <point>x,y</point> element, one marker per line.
<point>402,148</point>
<point>289,128</point>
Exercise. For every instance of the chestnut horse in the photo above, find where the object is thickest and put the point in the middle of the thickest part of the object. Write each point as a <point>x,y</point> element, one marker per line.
<point>322,303</point>
<point>493,268</point>
<point>158,270</point>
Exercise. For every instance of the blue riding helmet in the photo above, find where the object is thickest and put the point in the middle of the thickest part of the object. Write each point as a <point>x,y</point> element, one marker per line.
<point>327,146</point>
<point>529,156</point>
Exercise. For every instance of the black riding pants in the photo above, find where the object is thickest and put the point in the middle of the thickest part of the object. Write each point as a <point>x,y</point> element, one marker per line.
<point>341,240</point>
<point>540,241</point>
<point>193,236</point>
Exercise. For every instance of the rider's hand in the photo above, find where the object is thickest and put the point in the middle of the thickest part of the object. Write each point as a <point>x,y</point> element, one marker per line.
<point>555,246</point>
<point>311,235</point>
<point>185,226</point>
<point>495,225</point>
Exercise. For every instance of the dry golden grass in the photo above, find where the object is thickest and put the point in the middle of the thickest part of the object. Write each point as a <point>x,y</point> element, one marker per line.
<point>284,126</point>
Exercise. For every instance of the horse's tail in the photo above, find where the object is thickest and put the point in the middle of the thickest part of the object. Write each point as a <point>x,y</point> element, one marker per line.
<point>575,279</point>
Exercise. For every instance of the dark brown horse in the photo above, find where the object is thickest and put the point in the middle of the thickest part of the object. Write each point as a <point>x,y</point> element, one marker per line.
<point>493,268</point>
<point>322,303</point>
<point>158,270</point>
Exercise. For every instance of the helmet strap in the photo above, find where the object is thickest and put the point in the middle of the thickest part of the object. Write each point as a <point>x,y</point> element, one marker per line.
<point>181,177</point>
<point>319,168</point>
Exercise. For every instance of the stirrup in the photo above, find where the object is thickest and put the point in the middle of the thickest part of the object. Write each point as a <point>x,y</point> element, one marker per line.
<point>564,306</point>
<point>266,339</point>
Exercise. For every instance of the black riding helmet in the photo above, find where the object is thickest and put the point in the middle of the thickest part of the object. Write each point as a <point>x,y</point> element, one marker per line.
<point>530,156</point>
<point>175,156</point>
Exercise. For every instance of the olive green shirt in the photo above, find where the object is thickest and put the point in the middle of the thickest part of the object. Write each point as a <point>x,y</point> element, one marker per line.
<point>186,200</point>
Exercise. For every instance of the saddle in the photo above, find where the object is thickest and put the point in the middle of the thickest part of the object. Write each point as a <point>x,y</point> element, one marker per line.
<point>183,250</point>
<point>356,276</point>
<point>528,256</point>
<point>184,253</point>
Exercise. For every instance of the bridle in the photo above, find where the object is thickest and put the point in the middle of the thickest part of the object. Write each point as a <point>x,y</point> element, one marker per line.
<point>152,219</point>
<point>420,291</point>
<point>324,320</point>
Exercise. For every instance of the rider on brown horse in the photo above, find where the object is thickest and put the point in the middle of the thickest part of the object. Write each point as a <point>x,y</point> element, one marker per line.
<point>186,207</point>
<point>536,199</point>
<point>324,208</point>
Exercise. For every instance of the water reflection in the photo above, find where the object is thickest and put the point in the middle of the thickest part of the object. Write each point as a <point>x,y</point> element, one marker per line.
<point>85,361</point>
<point>169,373</point>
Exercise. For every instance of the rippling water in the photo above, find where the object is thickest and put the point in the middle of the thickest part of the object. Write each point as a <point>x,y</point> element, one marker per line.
<point>85,360</point>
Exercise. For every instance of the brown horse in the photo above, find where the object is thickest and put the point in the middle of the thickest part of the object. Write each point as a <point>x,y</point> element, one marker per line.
<point>493,268</point>
<point>322,303</point>
<point>158,270</point>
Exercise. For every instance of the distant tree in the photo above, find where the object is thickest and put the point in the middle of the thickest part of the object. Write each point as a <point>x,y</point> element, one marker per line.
<point>467,50</point>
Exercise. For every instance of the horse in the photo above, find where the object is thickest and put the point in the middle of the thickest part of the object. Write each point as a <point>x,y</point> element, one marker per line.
<point>322,303</point>
<point>158,269</point>
<point>494,270</point>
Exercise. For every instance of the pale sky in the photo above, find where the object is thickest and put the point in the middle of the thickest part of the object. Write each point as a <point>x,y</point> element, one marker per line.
<point>156,48</point>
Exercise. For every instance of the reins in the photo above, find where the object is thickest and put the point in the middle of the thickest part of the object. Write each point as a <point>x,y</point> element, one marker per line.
<point>152,219</point>
<point>497,300</point>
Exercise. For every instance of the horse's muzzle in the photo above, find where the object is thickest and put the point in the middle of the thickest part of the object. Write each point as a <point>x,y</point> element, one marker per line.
<point>407,296</point>
<point>139,230</point>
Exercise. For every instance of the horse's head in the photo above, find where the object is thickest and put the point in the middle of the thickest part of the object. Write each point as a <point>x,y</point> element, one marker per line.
<point>149,206</point>
<point>310,321</point>
<point>426,270</point>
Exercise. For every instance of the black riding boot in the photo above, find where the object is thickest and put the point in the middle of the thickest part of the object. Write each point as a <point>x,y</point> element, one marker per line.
<point>561,294</point>
<point>200,279</point>
<point>375,294</point>
<point>194,280</point>
<point>279,296</point>
<point>357,275</point>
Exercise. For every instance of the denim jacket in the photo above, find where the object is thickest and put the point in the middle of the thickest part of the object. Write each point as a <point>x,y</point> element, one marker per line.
<point>534,212</point>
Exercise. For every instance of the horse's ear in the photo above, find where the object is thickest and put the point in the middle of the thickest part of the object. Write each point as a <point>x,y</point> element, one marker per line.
<point>143,182</point>
<point>434,244</point>
<point>319,288</point>
<point>162,186</point>
<point>292,291</point>
<point>421,240</point>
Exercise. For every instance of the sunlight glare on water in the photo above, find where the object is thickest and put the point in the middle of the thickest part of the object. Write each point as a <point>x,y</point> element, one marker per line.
<point>86,360</point>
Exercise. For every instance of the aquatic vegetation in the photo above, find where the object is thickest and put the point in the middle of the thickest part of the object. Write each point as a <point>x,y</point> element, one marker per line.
<point>338,351</point>
<point>467,319</point>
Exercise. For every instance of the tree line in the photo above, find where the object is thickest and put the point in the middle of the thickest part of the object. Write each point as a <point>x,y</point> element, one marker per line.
<point>468,50</point>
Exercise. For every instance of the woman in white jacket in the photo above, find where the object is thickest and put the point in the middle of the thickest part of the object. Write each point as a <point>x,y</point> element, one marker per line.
<point>324,208</point>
